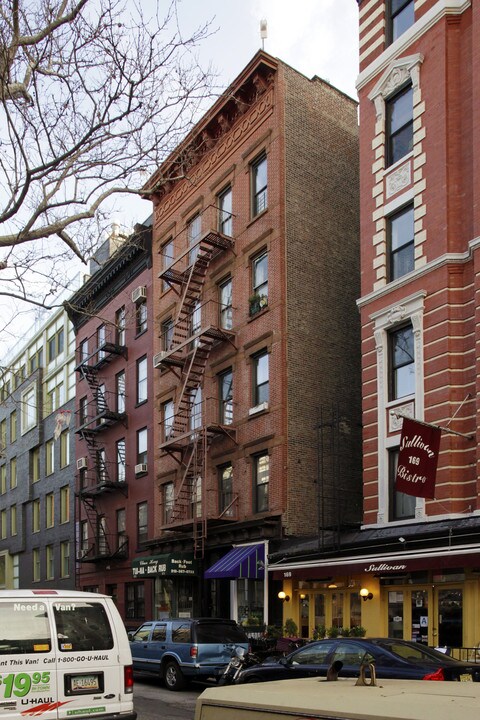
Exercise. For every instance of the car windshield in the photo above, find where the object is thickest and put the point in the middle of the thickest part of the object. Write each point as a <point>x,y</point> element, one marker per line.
<point>220,633</point>
<point>416,652</point>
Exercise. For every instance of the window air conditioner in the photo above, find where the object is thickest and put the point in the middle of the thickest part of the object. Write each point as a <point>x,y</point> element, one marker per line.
<point>140,293</point>
<point>141,469</point>
<point>158,358</point>
<point>81,463</point>
<point>81,554</point>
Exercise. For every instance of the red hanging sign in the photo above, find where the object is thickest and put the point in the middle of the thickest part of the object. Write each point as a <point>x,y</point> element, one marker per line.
<point>417,459</point>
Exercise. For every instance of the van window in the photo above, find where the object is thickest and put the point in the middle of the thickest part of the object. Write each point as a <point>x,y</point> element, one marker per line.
<point>24,628</point>
<point>82,626</point>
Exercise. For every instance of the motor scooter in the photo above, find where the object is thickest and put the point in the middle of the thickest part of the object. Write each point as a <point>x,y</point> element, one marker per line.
<point>240,660</point>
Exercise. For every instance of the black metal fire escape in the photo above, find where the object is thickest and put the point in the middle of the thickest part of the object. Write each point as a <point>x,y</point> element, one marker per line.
<point>94,478</point>
<point>195,331</point>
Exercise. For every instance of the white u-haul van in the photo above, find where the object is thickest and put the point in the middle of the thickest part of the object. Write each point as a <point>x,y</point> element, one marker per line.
<point>63,654</point>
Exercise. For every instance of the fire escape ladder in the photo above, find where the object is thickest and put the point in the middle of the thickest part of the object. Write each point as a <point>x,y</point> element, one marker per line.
<point>199,509</point>
<point>90,374</point>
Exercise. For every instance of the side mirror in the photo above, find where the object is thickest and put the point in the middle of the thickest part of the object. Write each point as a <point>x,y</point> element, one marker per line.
<point>130,635</point>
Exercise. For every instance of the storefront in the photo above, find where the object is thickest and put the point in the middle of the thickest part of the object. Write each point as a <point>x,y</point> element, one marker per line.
<point>244,567</point>
<point>175,583</point>
<point>431,597</point>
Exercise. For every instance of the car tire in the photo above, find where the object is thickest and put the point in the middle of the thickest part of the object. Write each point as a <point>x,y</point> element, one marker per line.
<point>173,676</point>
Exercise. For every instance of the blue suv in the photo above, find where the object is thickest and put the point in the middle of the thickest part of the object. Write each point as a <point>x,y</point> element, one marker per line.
<point>178,650</point>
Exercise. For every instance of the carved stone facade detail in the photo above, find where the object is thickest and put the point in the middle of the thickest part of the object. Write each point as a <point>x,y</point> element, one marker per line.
<point>398,180</point>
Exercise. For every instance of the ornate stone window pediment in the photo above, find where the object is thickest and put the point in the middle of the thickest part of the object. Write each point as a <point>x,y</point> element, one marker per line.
<point>399,73</point>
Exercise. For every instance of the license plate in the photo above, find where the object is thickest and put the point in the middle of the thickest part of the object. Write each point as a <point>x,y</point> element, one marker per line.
<point>85,682</point>
<point>466,677</point>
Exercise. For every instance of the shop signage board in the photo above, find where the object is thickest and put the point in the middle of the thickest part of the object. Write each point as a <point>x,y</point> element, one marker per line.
<point>417,459</point>
<point>174,564</point>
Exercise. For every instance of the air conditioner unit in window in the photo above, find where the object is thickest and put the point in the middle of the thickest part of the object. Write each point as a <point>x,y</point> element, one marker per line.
<point>81,463</point>
<point>140,293</point>
<point>141,469</point>
<point>81,554</point>
<point>158,358</point>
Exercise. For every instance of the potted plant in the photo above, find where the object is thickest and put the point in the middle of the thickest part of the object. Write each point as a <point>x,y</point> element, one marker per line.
<point>357,631</point>
<point>344,632</point>
<point>291,628</point>
<point>332,632</point>
<point>257,302</point>
<point>319,632</point>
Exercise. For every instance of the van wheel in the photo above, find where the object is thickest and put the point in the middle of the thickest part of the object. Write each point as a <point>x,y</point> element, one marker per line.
<point>173,676</point>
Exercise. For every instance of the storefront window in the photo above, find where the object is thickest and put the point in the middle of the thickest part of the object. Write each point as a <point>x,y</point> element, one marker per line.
<point>337,610</point>
<point>319,611</point>
<point>420,616</point>
<point>395,614</point>
<point>304,613</point>
<point>355,610</point>
<point>173,598</point>
<point>250,601</point>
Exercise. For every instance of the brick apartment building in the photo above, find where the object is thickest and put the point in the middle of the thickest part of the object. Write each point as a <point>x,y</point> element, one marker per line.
<point>256,372</point>
<point>113,321</point>
<point>37,451</point>
<point>417,559</point>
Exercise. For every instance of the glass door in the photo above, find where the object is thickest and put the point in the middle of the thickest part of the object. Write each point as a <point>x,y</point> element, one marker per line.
<point>449,615</point>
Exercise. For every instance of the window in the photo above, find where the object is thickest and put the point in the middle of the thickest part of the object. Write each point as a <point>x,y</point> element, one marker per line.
<point>225,490</point>
<point>168,501</point>
<point>3,524</point>
<point>64,448</point>
<point>194,229</point>
<point>399,129</point>
<point>225,299</point>
<point>35,360</point>
<point>49,510</point>
<point>36,564</point>
<point>49,457</point>
<point>196,409</point>
<point>142,380</point>
<point>260,379</point>
<point>49,557</point>
<point>141,315</point>
<point>120,326</point>
<point>121,529</point>
<point>196,501</point>
<point>259,298</point>
<point>84,537</point>
<point>120,391</point>
<point>168,414</point>
<point>225,382</point>
<point>261,477</point>
<point>402,363</point>
<point>13,473</point>
<point>101,401</point>
<point>142,446</point>
<point>120,455</point>
<point>196,321</point>
<point>64,504</point>
<point>55,395</point>
<point>36,516</point>
<point>401,242</point>
<point>142,522</point>
<point>83,351</point>
<point>167,334</point>
<point>135,600</point>
<point>101,340</point>
<point>13,520</point>
<point>259,185</point>
<point>83,410</point>
<point>55,344</point>
<point>64,559</point>
<point>166,251</point>
<point>224,203</point>
<point>29,409</point>
<point>13,426</point>
<point>402,16</point>
<point>3,434</point>
<point>402,506</point>
<point>102,475</point>
<point>3,479</point>
<point>35,464</point>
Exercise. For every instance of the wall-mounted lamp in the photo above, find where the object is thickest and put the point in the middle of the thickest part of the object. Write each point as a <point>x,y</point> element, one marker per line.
<point>302,596</point>
<point>332,586</point>
<point>283,596</point>
<point>365,594</point>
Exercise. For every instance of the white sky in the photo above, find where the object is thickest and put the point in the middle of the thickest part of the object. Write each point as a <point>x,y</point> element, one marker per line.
<point>316,37</point>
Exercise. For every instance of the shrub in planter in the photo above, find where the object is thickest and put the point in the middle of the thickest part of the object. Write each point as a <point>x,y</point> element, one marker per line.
<point>357,631</point>
<point>333,632</point>
<point>291,628</point>
<point>319,632</point>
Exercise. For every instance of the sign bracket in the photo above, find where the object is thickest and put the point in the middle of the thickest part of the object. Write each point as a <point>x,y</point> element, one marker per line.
<point>445,428</point>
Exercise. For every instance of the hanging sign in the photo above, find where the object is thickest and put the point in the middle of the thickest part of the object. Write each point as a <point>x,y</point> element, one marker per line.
<point>417,459</point>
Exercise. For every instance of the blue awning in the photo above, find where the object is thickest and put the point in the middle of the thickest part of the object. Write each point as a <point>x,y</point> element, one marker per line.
<point>243,561</point>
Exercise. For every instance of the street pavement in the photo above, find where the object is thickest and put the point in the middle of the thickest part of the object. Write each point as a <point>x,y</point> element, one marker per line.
<point>153,701</point>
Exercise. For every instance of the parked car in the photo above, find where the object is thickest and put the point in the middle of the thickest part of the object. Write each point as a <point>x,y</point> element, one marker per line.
<point>392,658</point>
<point>178,649</point>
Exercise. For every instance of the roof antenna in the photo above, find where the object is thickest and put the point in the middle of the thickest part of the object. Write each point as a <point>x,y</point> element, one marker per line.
<point>263,31</point>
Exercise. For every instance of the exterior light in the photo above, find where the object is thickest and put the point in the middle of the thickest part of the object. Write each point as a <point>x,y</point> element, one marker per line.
<point>332,586</point>
<point>302,596</point>
<point>283,596</point>
<point>366,594</point>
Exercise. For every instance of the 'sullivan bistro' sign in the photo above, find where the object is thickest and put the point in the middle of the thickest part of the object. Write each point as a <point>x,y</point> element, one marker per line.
<point>417,459</point>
